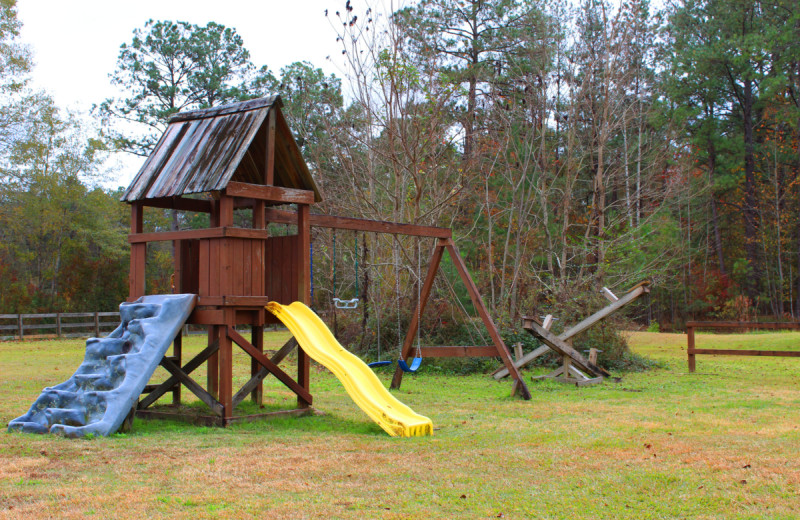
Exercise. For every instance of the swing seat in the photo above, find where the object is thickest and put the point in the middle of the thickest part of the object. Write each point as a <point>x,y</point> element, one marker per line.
<point>379,364</point>
<point>345,304</point>
<point>415,363</point>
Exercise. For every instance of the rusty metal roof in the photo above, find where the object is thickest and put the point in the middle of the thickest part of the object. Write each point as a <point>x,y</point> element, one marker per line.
<point>203,150</point>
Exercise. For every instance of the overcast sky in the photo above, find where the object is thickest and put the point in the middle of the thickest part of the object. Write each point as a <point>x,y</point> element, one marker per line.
<point>76,42</point>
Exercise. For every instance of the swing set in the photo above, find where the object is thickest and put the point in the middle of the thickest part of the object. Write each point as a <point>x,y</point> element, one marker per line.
<point>411,355</point>
<point>353,304</point>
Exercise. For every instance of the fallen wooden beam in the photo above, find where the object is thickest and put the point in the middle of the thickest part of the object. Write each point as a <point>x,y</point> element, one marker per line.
<point>634,293</point>
<point>560,346</point>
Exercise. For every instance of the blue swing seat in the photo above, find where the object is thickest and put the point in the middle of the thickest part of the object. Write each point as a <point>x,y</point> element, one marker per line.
<point>379,364</point>
<point>415,363</point>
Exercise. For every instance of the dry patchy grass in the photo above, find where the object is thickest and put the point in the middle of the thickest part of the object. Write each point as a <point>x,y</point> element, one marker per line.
<point>722,443</point>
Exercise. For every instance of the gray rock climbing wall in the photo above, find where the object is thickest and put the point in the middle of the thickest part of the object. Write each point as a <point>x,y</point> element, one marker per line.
<point>99,396</point>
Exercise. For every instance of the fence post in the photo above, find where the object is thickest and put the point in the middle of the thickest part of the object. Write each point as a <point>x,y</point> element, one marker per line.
<point>96,324</point>
<point>690,347</point>
<point>58,324</point>
<point>20,327</point>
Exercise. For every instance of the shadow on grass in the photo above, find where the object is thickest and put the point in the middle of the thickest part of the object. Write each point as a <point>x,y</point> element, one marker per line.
<point>312,423</point>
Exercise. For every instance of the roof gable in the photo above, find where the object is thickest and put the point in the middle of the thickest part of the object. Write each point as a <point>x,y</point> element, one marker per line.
<point>203,150</point>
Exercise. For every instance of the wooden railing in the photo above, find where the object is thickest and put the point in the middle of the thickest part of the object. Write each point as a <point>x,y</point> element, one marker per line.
<point>57,325</point>
<point>691,351</point>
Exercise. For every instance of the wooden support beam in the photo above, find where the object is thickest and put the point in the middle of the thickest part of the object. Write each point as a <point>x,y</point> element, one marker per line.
<point>136,277</point>
<point>212,370</point>
<point>576,329</point>
<point>269,166</point>
<point>560,346</point>
<point>179,203</point>
<point>188,234</point>
<point>262,372</point>
<point>217,407</point>
<point>187,369</point>
<point>269,193</point>
<point>177,353</point>
<point>257,392</point>
<point>606,311</point>
<point>304,295</point>
<point>264,361</point>
<point>458,351</point>
<point>358,224</point>
<point>477,301</point>
<point>225,356</point>
<point>405,352</point>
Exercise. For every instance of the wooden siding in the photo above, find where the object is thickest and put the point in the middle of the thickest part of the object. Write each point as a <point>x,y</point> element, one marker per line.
<point>235,263</point>
<point>282,269</point>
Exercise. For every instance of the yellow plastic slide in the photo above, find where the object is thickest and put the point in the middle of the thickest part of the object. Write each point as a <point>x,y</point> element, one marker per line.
<point>358,379</point>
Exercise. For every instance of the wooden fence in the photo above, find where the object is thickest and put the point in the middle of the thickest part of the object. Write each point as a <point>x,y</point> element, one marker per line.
<point>57,325</point>
<point>691,351</point>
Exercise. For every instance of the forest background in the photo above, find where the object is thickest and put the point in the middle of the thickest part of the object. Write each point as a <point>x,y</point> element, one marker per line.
<point>569,145</point>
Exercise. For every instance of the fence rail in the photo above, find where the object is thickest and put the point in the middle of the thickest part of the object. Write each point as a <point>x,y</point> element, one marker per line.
<point>57,324</point>
<point>691,351</point>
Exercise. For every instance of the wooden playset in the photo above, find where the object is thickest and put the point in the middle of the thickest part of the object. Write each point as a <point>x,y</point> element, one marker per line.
<point>219,161</point>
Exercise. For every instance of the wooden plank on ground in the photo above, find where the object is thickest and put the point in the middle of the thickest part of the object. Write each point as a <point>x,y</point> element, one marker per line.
<point>578,328</point>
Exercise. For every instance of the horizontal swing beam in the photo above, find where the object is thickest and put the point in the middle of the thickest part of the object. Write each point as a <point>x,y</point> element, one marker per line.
<point>358,224</point>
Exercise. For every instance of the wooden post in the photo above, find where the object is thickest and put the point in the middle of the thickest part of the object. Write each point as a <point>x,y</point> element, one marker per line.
<point>226,367</point>
<point>257,339</point>
<point>269,172</point>
<point>138,254</point>
<point>405,352</point>
<point>177,353</point>
<point>20,327</point>
<point>690,347</point>
<point>593,356</point>
<point>58,324</point>
<point>304,291</point>
<point>212,365</point>
<point>96,325</point>
<point>477,301</point>
<point>517,351</point>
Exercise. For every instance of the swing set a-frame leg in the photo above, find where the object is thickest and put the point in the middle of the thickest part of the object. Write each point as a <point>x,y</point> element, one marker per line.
<point>477,301</point>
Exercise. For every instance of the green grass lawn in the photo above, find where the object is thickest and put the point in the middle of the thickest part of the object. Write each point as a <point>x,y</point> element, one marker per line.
<point>722,443</point>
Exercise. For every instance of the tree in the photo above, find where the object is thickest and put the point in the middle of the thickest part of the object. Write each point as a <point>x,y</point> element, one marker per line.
<point>472,38</point>
<point>15,64</point>
<point>52,225</point>
<point>168,67</point>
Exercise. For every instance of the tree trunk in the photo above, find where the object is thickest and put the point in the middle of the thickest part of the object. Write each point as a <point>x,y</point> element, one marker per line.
<point>749,212</point>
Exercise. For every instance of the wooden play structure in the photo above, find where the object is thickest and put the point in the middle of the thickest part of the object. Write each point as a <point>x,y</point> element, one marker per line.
<point>575,368</point>
<point>220,161</point>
